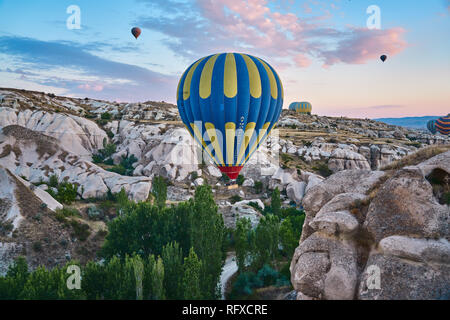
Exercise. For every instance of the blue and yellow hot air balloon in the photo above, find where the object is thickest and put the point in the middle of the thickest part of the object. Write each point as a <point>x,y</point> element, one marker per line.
<point>442,125</point>
<point>301,107</point>
<point>229,103</point>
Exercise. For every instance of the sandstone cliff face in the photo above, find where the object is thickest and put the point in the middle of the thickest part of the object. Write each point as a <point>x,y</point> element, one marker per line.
<point>361,223</point>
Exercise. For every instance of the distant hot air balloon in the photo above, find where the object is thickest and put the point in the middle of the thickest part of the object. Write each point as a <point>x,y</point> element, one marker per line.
<point>301,107</point>
<point>431,126</point>
<point>443,125</point>
<point>229,102</point>
<point>136,32</point>
<point>383,58</point>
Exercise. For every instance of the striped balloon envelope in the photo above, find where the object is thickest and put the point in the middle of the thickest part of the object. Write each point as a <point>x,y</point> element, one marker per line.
<point>230,102</point>
<point>431,126</point>
<point>443,125</point>
<point>301,107</point>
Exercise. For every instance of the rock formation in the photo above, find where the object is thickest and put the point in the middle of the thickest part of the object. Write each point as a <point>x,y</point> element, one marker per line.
<point>376,235</point>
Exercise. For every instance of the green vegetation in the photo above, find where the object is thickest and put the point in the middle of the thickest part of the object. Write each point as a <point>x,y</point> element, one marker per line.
<point>276,202</point>
<point>68,212</point>
<point>258,186</point>
<point>125,167</point>
<point>147,229</point>
<point>323,169</point>
<point>80,230</point>
<point>248,281</point>
<point>240,180</point>
<point>154,251</point>
<point>66,192</point>
<point>104,154</point>
<point>159,191</point>
<point>191,288</point>
<point>235,198</point>
<point>106,116</point>
<point>167,252</point>
<point>269,247</point>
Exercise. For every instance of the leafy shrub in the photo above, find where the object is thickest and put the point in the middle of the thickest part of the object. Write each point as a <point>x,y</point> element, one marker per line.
<point>258,186</point>
<point>194,175</point>
<point>244,285</point>
<point>104,155</point>
<point>255,205</point>
<point>118,169</point>
<point>110,134</point>
<point>80,230</point>
<point>286,157</point>
<point>323,169</point>
<point>109,162</point>
<point>159,191</point>
<point>235,198</point>
<point>67,192</point>
<point>68,212</point>
<point>225,178</point>
<point>37,246</point>
<point>125,167</point>
<point>53,181</point>
<point>101,122</point>
<point>97,158</point>
<point>240,180</point>
<point>94,213</point>
<point>267,275</point>
<point>106,116</point>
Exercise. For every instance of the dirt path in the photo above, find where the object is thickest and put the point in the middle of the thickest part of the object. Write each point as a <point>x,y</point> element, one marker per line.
<point>229,269</point>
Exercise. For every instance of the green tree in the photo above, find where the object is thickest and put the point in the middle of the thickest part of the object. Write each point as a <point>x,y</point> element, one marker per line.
<point>172,257</point>
<point>275,203</point>
<point>244,243</point>
<point>42,285</point>
<point>290,232</point>
<point>67,192</point>
<point>191,277</point>
<point>154,279</point>
<point>119,280</point>
<point>94,280</point>
<point>106,116</point>
<point>159,191</point>
<point>240,180</point>
<point>266,241</point>
<point>12,285</point>
<point>207,235</point>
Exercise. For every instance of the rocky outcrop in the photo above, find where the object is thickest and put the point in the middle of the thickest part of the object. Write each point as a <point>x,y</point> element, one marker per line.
<point>36,157</point>
<point>78,135</point>
<point>342,159</point>
<point>368,235</point>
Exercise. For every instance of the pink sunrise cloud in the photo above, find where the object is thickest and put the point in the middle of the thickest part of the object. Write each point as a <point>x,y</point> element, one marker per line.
<point>285,35</point>
<point>91,87</point>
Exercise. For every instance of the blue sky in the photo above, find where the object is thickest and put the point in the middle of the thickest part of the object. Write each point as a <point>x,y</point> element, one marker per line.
<point>322,50</point>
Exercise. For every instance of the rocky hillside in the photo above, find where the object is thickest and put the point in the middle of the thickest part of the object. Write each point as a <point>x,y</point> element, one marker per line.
<point>103,147</point>
<point>394,221</point>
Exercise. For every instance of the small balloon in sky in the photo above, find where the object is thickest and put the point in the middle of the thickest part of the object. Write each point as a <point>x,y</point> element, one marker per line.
<point>136,32</point>
<point>383,58</point>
